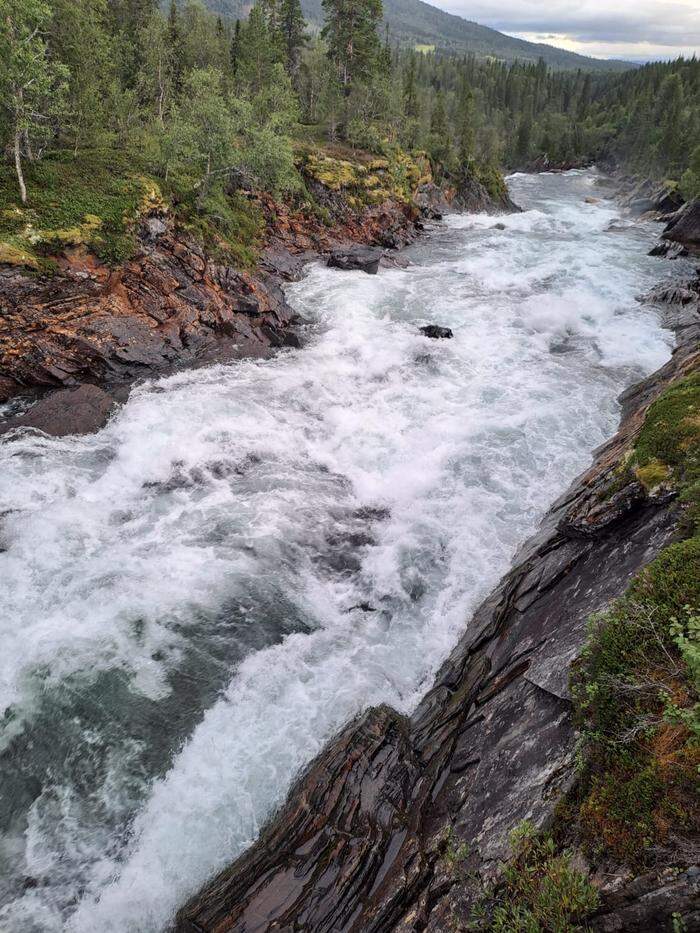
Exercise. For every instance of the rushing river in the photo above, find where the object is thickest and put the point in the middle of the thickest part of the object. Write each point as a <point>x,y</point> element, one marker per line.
<point>195,598</point>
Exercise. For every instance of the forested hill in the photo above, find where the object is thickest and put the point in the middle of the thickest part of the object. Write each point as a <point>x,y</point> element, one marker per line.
<point>417,23</point>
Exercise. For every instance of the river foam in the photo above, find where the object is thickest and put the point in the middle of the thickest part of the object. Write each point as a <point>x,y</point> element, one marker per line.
<point>198,596</point>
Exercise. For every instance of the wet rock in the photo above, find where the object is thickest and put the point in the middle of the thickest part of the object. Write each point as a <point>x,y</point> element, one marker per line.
<point>436,332</point>
<point>684,227</point>
<point>432,201</point>
<point>499,226</point>
<point>669,250</point>
<point>363,258</point>
<point>69,411</point>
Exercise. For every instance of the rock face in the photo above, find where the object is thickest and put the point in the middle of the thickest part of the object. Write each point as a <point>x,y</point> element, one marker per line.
<point>684,226</point>
<point>169,305</point>
<point>360,845</point>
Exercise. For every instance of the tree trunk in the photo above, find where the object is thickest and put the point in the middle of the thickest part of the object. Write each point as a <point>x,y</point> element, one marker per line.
<point>18,167</point>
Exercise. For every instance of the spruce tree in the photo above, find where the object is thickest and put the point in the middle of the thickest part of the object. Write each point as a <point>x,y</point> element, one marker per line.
<point>353,42</point>
<point>292,28</point>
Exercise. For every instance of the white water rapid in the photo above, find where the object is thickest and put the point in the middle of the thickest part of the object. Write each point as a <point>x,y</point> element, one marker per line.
<point>195,598</point>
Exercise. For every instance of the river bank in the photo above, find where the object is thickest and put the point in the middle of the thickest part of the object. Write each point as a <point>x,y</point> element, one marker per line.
<point>218,581</point>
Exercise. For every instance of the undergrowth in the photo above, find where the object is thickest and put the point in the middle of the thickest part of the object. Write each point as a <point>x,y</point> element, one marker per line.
<point>541,891</point>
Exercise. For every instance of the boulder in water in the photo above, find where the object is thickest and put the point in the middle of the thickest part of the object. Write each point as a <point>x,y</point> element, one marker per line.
<point>436,332</point>
<point>82,410</point>
<point>364,258</point>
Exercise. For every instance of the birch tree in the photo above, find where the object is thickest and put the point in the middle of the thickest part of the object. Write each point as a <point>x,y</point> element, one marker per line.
<point>31,85</point>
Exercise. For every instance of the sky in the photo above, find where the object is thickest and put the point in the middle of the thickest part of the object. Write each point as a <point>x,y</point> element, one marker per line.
<point>640,31</point>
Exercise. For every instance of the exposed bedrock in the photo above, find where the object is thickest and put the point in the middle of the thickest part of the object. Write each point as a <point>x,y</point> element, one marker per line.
<point>363,843</point>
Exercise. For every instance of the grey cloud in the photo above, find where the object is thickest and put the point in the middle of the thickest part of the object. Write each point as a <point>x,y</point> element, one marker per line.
<point>661,23</point>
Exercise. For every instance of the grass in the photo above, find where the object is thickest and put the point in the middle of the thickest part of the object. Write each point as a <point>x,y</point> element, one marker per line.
<point>95,201</point>
<point>92,200</point>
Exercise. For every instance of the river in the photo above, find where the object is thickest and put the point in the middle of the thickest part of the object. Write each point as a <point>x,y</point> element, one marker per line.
<point>197,597</point>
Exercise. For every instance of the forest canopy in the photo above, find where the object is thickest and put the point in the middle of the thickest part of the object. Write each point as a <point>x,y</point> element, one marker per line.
<point>202,99</point>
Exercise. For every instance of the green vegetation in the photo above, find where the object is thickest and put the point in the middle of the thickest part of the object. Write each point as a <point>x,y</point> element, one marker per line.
<point>540,892</point>
<point>637,687</point>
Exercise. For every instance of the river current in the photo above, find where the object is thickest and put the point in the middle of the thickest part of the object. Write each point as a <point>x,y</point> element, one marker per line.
<point>193,600</point>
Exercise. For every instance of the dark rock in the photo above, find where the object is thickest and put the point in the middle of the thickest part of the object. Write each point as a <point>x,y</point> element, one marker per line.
<point>684,228</point>
<point>669,250</point>
<point>432,201</point>
<point>436,332</point>
<point>499,226</point>
<point>364,258</point>
<point>69,411</point>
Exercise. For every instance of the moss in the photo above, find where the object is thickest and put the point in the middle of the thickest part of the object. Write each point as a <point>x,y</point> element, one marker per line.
<point>396,176</point>
<point>14,255</point>
<point>92,200</point>
<point>229,226</point>
<point>670,441</point>
<point>541,890</point>
<point>653,474</point>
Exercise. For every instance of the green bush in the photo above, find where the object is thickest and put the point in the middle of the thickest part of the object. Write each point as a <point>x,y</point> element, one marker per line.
<point>541,891</point>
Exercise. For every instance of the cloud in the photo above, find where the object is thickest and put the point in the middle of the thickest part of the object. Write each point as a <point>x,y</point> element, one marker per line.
<point>650,26</point>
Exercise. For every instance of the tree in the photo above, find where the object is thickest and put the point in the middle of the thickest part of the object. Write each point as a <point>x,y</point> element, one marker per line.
<point>466,125</point>
<point>31,86</point>
<point>353,42</point>
<point>200,141</point>
<point>292,28</point>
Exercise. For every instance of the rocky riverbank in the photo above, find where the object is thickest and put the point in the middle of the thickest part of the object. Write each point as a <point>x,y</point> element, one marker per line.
<point>402,823</point>
<point>77,338</point>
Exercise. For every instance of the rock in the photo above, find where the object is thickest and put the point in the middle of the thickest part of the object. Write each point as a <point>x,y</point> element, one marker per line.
<point>168,306</point>
<point>641,205</point>
<point>431,201</point>
<point>499,226</point>
<point>364,258</point>
<point>68,411</point>
<point>590,200</point>
<point>669,250</point>
<point>684,227</point>
<point>436,332</point>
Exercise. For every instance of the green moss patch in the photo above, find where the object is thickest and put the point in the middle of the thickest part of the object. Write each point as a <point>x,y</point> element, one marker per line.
<point>92,200</point>
<point>229,226</point>
<point>368,181</point>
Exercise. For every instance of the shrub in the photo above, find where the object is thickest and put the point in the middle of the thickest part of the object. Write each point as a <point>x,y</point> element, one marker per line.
<point>541,891</point>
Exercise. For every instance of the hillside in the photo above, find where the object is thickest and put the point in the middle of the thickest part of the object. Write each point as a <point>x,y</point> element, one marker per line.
<point>418,23</point>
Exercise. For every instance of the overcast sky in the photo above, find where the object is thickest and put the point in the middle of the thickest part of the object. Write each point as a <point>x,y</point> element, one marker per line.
<point>639,30</point>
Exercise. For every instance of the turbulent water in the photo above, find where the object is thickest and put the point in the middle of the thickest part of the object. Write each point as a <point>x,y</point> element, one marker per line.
<point>197,597</point>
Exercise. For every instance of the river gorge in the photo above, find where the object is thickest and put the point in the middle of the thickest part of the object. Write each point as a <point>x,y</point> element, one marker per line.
<point>201,594</point>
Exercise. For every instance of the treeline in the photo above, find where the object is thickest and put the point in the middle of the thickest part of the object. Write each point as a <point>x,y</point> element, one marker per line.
<point>204,99</point>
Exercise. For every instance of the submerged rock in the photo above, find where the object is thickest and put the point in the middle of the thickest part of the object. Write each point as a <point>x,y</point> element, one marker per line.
<point>437,332</point>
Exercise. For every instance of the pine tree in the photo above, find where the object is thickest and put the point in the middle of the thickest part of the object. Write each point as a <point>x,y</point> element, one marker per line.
<point>353,42</point>
<point>292,27</point>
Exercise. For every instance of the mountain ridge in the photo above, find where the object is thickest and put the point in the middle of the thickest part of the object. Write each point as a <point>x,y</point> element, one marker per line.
<point>419,23</point>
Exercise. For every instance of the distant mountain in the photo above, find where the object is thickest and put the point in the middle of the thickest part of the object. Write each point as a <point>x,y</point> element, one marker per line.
<point>413,22</point>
